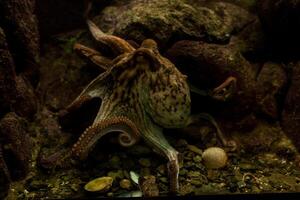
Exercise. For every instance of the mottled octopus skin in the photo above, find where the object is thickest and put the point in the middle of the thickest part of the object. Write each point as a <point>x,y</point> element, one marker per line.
<point>142,92</point>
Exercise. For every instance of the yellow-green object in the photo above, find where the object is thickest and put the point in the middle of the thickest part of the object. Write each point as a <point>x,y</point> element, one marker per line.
<point>101,184</point>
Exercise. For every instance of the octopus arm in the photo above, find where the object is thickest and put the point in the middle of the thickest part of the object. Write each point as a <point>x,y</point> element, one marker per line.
<point>97,88</point>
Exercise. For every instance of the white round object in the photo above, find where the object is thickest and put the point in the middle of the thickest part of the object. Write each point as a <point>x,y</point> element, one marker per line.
<point>214,158</point>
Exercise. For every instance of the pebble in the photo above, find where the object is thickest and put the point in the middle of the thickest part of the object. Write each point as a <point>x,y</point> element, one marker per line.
<point>197,158</point>
<point>101,184</point>
<point>116,174</point>
<point>125,184</point>
<point>161,169</point>
<point>214,158</point>
<point>194,149</point>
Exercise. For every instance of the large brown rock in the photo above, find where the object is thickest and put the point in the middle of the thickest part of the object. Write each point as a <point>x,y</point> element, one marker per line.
<point>4,176</point>
<point>21,27</point>
<point>16,145</point>
<point>16,93</point>
<point>8,89</point>
<point>271,82</point>
<point>169,21</point>
<point>291,110</point>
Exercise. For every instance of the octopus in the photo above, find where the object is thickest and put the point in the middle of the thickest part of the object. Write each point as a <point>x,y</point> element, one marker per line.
<point>142,93</point>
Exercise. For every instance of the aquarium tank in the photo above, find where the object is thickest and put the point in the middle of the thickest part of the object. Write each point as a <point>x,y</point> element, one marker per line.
<point>149,98</point>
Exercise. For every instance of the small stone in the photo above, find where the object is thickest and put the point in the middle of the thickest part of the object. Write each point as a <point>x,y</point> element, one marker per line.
<point>116,174</point>
<point>186,189</point>
<point>196,182</point>
<point>197,159</point>
<point>163,179</point>
<point>110,194</point>
<point>194,149</point>
<point>193,174</point>
<point>183,172</point>
<point>125,184</point>
<point>148,186</point>
<point>134,177</point>
<point>214,158</point>
<point>212,174</point>
<point>145,162</point>
<point>161,169</point>
<point>101,184</point>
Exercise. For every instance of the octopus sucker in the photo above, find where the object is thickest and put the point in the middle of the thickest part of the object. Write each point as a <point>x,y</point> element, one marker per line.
<point>129,134</point>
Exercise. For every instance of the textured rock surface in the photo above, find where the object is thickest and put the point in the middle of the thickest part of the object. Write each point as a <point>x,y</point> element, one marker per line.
<point>21,24</point>
<point>7,76</point>
<point>260,138</point>
<point>16,145</point>
<point>291,110</point>
<point>271,83</point>
<point>16,94</point>
<point>170,21</point>
<point>4,176</point>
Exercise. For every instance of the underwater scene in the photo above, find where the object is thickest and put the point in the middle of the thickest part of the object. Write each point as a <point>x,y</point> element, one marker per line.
<point>149,98</point>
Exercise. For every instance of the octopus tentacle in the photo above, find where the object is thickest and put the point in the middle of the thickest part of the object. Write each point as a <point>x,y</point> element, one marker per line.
<point>93,56</point>
<point>117,45</point>
<point>154,137</point>
<point>129,134</point>
<point>225,90</point>
<point>97,88</point>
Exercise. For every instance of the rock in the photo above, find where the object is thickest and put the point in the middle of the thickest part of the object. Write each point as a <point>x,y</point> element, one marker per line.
<point>116,174</point>
<point>271,81</point>
<point>145,162</point>
<point>214,158</point>
<point>197,159</point>
<point>63,76</point>
<point>291,111</point>
<point>16,145</point>
<point>21,24</point>
<point>16,93</point>
<point>125,184</point>
<point>161,169</point>
<point>102,184</point>
<point>8,88</point>
<point>186,189</point>
<point>167,21</point>
<point>134,177</point>
<point>26,101</point>
<point>4,176</point>
<point>209,65</point>
<point>194,149</point>
<point>251,41</point>
<point>148,186</point>
<point>261,138</point>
